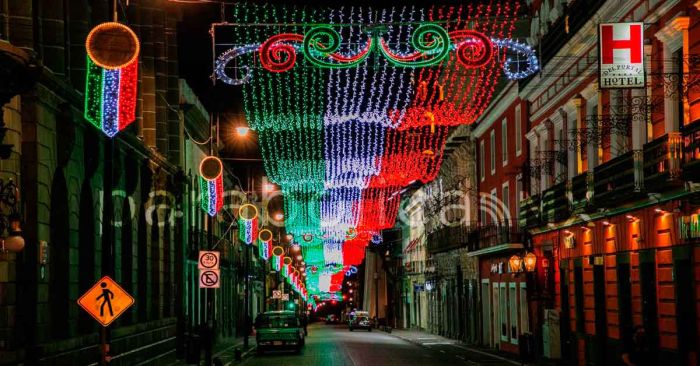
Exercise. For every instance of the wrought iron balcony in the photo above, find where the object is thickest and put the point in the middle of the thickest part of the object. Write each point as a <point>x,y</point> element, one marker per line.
<point>555,204</point>
<point>691,151</point>
<point>529,215</point>
<point>662,162</point>
<point>453,237</point>
<point>505,232</point>
<point>579,191</point>
<point>614,181</point>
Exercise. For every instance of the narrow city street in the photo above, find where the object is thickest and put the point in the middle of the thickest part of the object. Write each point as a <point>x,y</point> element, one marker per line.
<point>335,345</point>
<point>477,182</point>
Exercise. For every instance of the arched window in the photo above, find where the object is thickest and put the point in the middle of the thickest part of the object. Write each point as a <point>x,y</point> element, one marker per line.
<point>86,252</point>
<point>58,274</point>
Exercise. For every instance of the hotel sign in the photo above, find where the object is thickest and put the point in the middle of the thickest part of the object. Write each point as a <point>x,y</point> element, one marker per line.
<point>621,55</point>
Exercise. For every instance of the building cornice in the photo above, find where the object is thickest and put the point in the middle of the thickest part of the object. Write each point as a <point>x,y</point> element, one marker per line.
<point>671,35</point>
<point>498,106</point>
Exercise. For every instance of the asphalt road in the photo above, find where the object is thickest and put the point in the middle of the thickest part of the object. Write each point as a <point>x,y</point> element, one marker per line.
<point>331,345</point>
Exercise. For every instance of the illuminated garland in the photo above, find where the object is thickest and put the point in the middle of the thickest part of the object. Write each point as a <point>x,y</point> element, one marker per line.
<point>211,195</point>
<point>247,225</point>
<point>112,77</point>
<point>265,244</point>
<point>352,105</point>
<point>110,97</point>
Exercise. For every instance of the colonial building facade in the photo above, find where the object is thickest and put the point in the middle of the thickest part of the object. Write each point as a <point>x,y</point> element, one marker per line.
<point>91,206</point>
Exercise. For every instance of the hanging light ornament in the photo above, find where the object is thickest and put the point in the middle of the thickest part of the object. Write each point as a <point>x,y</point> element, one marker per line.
<point>247,223</point>
<point>277,261</point>
<point>265,244</point>
<point>211,185</point>
<point>112,77</point>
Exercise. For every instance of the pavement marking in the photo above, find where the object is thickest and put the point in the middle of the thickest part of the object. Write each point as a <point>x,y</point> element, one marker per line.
<point>462,358</point>
<point>442,351</point>
<point>434,343</point>
<point>426,338</point>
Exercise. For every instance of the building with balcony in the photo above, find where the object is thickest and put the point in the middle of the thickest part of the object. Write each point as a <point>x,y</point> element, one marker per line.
<point>610,199</point>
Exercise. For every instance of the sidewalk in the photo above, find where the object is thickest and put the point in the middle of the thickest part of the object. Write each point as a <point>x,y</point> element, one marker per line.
<point>225,350</point>
<point>475,354</point>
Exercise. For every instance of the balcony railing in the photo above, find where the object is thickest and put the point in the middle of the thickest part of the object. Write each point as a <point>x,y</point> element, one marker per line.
<point>579,190</point>
<point>555,204</point>
<point>453,237</point>
<point>691,151</point>
<point>506,232</point>
<point>529,215</point>
<point>614,180</point>
<point>662,162</point>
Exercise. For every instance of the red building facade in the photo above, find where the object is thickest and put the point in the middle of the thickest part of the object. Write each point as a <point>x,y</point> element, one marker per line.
<point>611,195</point>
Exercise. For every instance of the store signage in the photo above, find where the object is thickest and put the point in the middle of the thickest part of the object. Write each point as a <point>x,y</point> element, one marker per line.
<point>621,55</point>
<point>497,267</point>
<point>689,227</point>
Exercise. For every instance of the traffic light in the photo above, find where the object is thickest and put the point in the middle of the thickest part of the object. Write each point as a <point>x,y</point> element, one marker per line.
<point>290,305</point>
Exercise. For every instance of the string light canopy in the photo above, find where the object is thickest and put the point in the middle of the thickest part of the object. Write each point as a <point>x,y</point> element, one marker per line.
<point>353,104</point>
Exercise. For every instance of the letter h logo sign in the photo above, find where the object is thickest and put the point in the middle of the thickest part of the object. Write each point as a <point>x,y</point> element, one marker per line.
<point>621,48</point>
<point>623,37</point>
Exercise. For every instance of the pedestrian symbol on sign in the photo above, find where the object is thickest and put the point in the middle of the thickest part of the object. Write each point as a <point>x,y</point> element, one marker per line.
<point>106,301</point>
<point>107,297</point>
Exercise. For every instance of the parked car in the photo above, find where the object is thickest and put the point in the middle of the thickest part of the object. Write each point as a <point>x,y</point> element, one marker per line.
<point>359,320</point>
<point>279,330</point>
<point>332,319</point>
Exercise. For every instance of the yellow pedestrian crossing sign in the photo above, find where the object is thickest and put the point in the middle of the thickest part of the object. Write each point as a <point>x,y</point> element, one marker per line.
<point>106,301</point>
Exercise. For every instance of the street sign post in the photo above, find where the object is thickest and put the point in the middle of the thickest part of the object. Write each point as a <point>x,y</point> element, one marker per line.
<point>285,297</point>
<point>105,301</point>
<point>276,294</point>
<point>209,278</point>
<point>208,259</point>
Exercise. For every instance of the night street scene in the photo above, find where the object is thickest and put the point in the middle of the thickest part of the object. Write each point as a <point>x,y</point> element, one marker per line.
<point>367,182</point>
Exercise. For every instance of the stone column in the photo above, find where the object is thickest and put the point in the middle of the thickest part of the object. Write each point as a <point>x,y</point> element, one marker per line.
<point>674,37</point>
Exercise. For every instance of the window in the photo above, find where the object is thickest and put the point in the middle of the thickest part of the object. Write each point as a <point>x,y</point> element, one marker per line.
<point>504,141</point>
<point>492,150</point>
<point>482,211</point>
<point>482,158</point>
<point>496,313</point>
<point>504,311</point>
<point>518,193</point>
<point>524,313</point>
<point>486,309</point>
<point>505,196</point>
<point>513,305</point>
<point>518,132</point>
<point>494,208</point>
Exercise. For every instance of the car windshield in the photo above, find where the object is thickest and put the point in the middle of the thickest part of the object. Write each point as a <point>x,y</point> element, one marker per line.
<point>277,321</point>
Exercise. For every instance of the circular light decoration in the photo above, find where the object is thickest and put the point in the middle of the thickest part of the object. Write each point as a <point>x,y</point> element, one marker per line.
<point>377,238</point>
<point>247,223</point>
<point>307,237</point>
<point>112,77</point>
<point>112,45</point>
<point>351,233</point>
<point>277,253</point>
<point>265,244</point>
<point>211,185</point>
<point>210,168</point>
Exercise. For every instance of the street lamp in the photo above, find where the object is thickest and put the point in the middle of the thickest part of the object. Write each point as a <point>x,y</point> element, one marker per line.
<point>530,260</point>
<point>515,263</point>
<point>242,131</point>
